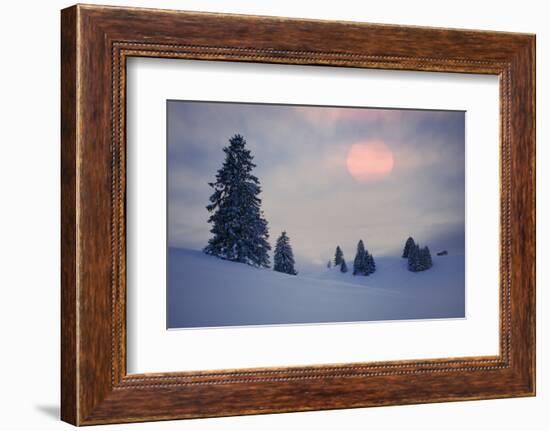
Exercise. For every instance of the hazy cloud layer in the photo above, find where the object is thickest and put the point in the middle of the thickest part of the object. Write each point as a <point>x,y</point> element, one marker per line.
<point>300,153</point>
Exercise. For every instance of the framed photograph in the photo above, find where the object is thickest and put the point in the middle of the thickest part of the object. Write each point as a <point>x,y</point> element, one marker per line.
<point>328,183</point>
<point>263,214</point>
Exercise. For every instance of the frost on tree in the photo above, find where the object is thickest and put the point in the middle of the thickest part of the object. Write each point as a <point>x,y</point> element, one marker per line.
<point>343,266</point>
<point>408,245</point>
<point>283,259</point>
<point>338,256</point>
<point>239,230</point>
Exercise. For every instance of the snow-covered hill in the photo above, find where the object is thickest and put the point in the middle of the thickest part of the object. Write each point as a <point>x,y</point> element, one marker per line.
<point>204,291</point>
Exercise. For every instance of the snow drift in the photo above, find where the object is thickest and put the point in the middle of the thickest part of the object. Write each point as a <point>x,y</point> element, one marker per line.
<point>205,291</point>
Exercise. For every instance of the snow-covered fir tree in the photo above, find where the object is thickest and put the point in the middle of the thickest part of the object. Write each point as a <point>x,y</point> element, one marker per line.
<point>425,258</point>
<point>283,258</point>
<point>363,264</point>
<point>338,256</point>
<point>370,265</point>
<point>419,259</point>
<point>239,229</point>
<point>408,244</point>
<point>343,266</point>
<point>359,263</point>
<point>413,259</point>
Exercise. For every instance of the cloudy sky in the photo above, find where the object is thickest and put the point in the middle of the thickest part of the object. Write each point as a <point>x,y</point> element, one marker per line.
<point>330,176</point>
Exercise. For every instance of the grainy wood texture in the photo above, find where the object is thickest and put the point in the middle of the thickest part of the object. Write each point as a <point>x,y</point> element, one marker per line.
<point>68,217</point>
<point>96,41</point>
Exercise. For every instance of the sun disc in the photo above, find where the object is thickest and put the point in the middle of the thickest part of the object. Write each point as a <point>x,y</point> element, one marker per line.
<point>369,160</point>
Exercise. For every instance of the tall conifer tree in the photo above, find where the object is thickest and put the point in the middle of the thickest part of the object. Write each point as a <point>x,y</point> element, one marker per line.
<point>239,230</point>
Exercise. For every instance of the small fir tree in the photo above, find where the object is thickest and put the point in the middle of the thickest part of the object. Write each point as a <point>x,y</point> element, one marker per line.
<point>426,258</point>
<point>239,230</point>
<point>338,256</point>
<point>329,264</point>
<point>359,263</point>
<point>370,264</point>
<point>366,262</point>
<point>420,259</point>
<point>283,258</point>
<point>408,245</point>
<point>413,259</point>
<point>343,266</point>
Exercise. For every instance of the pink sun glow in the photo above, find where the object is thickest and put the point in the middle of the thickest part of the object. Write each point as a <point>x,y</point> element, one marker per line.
<point>369,160</point>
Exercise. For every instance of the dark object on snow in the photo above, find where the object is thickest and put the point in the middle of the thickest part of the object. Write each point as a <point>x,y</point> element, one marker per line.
<point>442,253</point>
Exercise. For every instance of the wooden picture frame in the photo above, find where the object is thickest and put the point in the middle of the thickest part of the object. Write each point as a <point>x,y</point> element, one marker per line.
<point>95,43</point>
